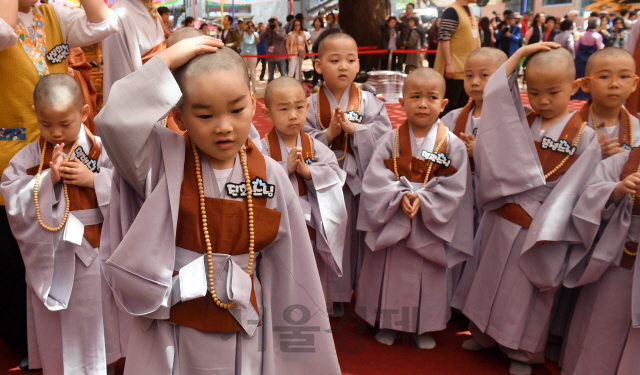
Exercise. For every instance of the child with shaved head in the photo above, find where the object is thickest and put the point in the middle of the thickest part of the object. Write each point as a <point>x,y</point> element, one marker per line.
<point>206,243</point>
<point>610,79</point>
<point>416,208</point>
<point>349,121</point>
<point>529,171</point>
<point>57,190</point>
<point>313,171</point>
<point>602,338</point>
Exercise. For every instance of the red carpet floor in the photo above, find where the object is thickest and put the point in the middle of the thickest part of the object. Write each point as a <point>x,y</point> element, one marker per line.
<point>360,354</point>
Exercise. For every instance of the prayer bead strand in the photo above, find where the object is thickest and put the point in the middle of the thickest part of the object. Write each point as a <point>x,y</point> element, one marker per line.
<point>203,213</point>
<point>66,194</point>
<point>595,124</point>
<point>633,202</point>
<point>575,144</point>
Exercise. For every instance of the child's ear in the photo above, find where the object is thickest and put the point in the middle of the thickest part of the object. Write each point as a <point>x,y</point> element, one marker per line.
<point>318,66</point>
<point>177,117</point>
<point>401,100</point>
<point>444,105</point>
<point>266,113</point>
<point>253,104</point>
<point>635,84</point>
<point>85,112</point>
<point>583,83</point>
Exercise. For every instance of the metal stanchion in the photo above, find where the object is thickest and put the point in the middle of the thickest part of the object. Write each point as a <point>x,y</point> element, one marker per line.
<point>390,57</point>
<point>300,60</point>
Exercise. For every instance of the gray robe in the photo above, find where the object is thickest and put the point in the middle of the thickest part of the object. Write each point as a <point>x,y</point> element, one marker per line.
<point>72,319</point>
<point>139,254</point>
<point>323,208</point>
<point>375,123</point>
<point>405,282</point>
<point>510,292</point>
<point>608,307</point>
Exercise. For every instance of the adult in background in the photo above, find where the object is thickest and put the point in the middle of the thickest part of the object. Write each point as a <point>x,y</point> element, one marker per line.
<point>550,28</point>
<point>275,38</point>
<point>509,38</point>
<point>618,33</point>
<point>318,28</point>
<point>486,33</point>
<point>458,37</point>
<point>322,16</point>
<point>188,22</point>
<point>250,39</point>
<point>289,24</point>
<point>262,51</point>
<point>603,29</point>
<point>230,36</point>
<point>589,42</point>
<point>164,14</point>
<point>564,38</point>
<point>573,16</point>
<point>525,22</point>
<point>432,41</point>
<point>413,42</point>
<point>389,41</point>
<point>535,33</point>
<point>296,41</point>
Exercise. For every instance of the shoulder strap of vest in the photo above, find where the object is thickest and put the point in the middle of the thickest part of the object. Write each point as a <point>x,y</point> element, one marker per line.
<point>461,124</point>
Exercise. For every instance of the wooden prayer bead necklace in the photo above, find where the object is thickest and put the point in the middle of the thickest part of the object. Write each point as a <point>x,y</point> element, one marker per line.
<point>595,124</point>
<point>66,194</point>
<point>346,136</point>
<point>575,144</point>
<point>203,214</point>
<point>430,163</point>
<point>266,137</point>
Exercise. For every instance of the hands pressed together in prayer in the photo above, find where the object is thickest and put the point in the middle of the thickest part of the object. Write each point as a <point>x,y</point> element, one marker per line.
<point>410,204</point>
<point>339,122</point>
<point>295,163</point>
<point>72,172</point>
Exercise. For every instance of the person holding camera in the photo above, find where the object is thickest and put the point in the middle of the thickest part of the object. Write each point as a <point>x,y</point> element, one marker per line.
<point>509,36</point>
<point>275,37</point>
<point>250,39</point>
<point>618,33</point>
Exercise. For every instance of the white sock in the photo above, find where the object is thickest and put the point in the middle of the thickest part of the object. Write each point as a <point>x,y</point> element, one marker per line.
<point>472,345</point>
<point>519,368</point>
<point>425,341</point>
<point>386,336</point>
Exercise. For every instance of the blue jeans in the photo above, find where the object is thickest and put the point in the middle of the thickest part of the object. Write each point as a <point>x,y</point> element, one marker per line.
<point>282,66</point>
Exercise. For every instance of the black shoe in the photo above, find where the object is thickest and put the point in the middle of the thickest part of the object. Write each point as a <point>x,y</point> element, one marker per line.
<point>24,365</point>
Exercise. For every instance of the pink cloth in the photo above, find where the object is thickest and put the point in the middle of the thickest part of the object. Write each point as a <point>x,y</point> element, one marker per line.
<point>589,38</point>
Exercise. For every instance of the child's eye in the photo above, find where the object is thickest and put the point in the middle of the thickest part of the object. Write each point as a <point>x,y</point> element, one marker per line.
<point>485,75</point>
<point>205,117</point>
<point>239,110</point>
<point>283,109</point>
<point>555,93</point>
<point>300,107</point>
<point>334,61</point>
<point>603,77</point>
<point>433,98</point>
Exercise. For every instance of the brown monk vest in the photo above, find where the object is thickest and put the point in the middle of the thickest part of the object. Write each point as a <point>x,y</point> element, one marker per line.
<point>412,168</point>
<point>461,126</point>
<point>228,223</point>
<point>80,198</point>
<point>624,136</point>
<point>276,154</point>
<point>631,167</point>
<point>549,159</point>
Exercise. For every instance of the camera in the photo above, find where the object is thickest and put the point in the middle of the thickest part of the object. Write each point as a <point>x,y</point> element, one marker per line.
<point>507,29</point>
<point>620,29</point>
<point>272,26</point>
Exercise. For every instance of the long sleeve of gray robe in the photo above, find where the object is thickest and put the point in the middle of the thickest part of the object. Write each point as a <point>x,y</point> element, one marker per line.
<point>139,253</point>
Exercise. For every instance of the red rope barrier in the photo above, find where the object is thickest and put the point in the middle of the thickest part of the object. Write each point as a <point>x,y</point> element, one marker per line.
<point>362,51</point>
<point>270,56</point>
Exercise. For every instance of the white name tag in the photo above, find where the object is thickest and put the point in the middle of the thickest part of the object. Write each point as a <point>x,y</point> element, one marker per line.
<point>474,32</point>
<point>73,230</point>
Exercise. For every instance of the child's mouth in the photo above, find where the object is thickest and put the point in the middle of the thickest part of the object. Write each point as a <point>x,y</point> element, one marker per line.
<point>224,144</point>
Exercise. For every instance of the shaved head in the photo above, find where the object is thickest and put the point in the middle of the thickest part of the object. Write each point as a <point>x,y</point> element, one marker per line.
<point>335,37</point>
<point>498,56</point>
<point>182,34</point>
<point>424,74</point>
<point>545,61</point>
<point>57,90</point>
<point>281,83</point>
<point>225,59</point>
<point>621,55</point>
